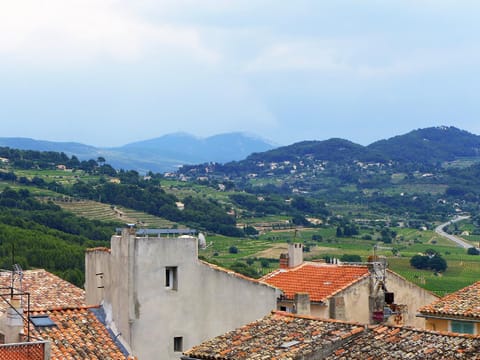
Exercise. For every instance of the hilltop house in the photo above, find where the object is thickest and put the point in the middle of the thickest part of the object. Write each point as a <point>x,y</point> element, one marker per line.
<point>367,293</point>
<point>285,336</point>
<point>457,312</point>
<point>161,299</point>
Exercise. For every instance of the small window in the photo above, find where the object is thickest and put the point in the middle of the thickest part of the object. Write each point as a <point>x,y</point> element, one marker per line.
<point>2,338</point>
<point>283,308</point>
<point>42,321</point>
<point>178,344</point>
<point>462,327</point>
<point>171,278</point>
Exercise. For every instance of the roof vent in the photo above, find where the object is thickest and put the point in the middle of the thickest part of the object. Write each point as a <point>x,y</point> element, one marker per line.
<point>289,344</point>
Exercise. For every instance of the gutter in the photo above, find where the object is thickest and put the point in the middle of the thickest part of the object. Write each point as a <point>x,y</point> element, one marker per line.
<point>448,318</point>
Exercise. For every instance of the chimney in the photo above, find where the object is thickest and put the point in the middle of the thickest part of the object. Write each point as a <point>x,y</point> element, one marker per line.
<point>12,322</point>
<point>301,303</point>
<point>283,261</point>
<point>295,254</point>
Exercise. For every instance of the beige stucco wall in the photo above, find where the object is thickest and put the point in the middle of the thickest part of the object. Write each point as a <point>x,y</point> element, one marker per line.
<point>444,325</point>
<point>353,303</point>
<point>436,324</point>
<point>409,294</point>
<point>320,311</point>
<point>207,302</point>
<point>356,300</point>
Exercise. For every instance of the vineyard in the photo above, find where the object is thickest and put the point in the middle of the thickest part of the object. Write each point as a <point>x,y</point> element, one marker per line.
<point>104,212</point>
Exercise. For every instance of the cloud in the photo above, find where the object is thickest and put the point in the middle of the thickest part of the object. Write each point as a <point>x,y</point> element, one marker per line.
<point>73,32</point>
<point>356,57</point>
<point>301,55</point>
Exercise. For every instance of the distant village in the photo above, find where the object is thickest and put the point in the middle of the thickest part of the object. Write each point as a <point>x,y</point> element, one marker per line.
<point>150,297</point>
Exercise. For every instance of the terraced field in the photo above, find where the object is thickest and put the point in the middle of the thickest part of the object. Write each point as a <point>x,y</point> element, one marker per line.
<point>98,211</point>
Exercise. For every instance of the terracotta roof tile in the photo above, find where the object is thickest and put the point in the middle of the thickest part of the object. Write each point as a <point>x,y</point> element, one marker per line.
<point>462,303</point>
<point>285,336</point>
<point>320,281</point>
<point>405,343</point>
<point>47,291</point>
<point>78,334</point>
<point>276,336</point>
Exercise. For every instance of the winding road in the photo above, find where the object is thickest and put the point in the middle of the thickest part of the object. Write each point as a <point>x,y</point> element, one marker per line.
<point>457,240</point>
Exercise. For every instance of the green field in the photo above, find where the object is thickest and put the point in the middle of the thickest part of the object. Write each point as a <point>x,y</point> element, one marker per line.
<point>462,269</point>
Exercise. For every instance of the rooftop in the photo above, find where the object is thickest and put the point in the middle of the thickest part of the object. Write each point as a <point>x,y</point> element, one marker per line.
<point>47,291</point>
<point>387,342</point>
<point>462,303</point>
<point>77,334</point>
<point>276,336</point>
<point>320,281</point>
<point>284,336</point>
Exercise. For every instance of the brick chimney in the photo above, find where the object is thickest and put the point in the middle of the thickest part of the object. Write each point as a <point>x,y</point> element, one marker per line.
<point>283,261</point>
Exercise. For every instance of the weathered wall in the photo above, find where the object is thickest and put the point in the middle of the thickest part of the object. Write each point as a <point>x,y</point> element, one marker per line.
<point>352,303</point>
<point>356,303</point>
<point>206,303</point>
<point>95,275</point>
<point>444,325</point>
<point>436,324</point>
<point>411,295</point>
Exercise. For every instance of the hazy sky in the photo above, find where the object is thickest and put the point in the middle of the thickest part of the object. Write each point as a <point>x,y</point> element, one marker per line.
<point>109,72</point>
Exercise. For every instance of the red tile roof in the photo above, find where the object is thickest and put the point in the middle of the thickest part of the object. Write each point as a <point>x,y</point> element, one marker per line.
<point>319,280</point>
<point>276,336</point>
<point>283,336</point>
<point>24,351</point>
<point>462,303</point>
<point>47,291</point>
<point>78,334</point>
<point>392,342</point>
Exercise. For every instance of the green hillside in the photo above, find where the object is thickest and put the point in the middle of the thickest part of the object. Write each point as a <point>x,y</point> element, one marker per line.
<point>98,211</point>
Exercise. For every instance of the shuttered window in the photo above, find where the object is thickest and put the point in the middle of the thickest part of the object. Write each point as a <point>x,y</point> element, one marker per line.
<point>462,327</point>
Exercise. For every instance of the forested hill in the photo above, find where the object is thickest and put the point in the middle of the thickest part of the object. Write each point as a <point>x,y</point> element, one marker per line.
<point>427,146</point>
<point>423,147</point>
<point>42,235</point>
<point>338,150</point>
<point>430,146</point>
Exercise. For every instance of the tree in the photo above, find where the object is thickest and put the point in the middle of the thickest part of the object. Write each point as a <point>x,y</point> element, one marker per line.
<point>339,232</point>
<point>437,263</point>
<point>419,261</point>
<point>473,251</point>
<point>429,261</point>
<point>250,230</point>
<point>350,258</point>
<point>244,269</point>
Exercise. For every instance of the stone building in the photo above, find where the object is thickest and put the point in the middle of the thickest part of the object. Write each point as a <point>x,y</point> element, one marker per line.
<point>366,293</point>
<point>457,312</point>
<point>161,299</point>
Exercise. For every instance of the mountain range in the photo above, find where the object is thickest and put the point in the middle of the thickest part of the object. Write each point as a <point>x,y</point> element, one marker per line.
<point>167,153</point>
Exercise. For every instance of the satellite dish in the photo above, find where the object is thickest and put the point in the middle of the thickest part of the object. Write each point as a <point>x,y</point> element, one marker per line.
<point>202,242</point>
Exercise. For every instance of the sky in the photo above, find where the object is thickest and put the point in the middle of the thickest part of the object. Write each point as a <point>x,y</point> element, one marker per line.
<point>111,72</point>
